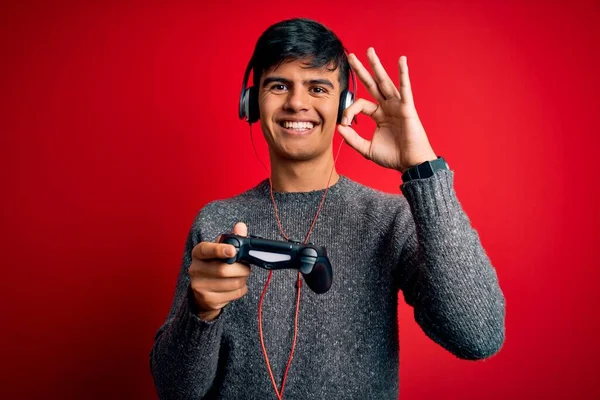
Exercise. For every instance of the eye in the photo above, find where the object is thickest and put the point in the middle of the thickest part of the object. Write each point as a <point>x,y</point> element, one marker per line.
<point>318,90</point>
<point>278,87</point>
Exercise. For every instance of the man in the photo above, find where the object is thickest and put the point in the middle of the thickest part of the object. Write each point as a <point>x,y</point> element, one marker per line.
<point>345,344</point>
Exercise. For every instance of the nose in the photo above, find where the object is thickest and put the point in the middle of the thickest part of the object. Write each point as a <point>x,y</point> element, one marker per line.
<point>298,100</point>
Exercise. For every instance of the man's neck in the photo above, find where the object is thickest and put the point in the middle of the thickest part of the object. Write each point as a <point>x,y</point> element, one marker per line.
<point>302,176</point>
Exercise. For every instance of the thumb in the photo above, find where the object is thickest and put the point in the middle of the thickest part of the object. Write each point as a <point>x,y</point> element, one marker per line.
<point>354,140</point>
<point>241,229</point>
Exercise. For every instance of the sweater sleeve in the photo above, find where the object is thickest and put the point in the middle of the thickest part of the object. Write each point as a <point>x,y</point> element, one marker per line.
<point>445,274</point>
<point>184,357</point>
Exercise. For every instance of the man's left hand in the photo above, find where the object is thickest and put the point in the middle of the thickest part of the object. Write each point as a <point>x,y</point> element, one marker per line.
<point>399,141</point>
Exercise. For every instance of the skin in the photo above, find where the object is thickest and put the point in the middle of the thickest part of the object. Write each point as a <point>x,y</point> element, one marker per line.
<point>213,282</point>
<point>294,92</point>
<point>304,162</point>
<point>399,141</point>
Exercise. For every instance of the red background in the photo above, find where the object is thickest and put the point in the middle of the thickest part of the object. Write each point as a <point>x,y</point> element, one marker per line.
<point>118,122</point>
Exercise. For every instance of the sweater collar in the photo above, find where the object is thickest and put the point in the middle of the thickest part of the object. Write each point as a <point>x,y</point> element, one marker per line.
<point>334,191</point>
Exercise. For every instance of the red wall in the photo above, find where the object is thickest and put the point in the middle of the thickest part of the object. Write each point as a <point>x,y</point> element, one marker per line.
<point>118,122</point>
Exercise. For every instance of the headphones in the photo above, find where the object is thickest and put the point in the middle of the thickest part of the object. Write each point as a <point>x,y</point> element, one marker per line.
<point>248,108</point>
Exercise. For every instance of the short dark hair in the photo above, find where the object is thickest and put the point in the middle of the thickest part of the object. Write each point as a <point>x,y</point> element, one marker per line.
<point>299,39</point>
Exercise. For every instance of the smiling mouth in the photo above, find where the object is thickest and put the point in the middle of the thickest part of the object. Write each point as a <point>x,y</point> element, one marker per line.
<point>297,127</point>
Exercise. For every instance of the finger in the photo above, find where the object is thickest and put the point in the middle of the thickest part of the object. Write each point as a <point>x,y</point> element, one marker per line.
<point>209,251</point>
<point>219,269</point>
<point>361,106</point>
<point>218,284</point>
<point>355,141</point>
<point>405,88</point>
<point>385,83</point>
<point>241,229</point>
<point>365,77</point>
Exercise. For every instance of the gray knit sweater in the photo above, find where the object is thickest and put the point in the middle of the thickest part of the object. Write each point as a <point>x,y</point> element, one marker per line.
<point>421,243</point>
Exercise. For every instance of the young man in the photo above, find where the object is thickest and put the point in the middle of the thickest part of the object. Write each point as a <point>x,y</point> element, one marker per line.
<point>346,342</point>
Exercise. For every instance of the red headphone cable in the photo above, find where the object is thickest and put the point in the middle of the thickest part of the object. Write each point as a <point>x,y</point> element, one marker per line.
<point>279,393</point>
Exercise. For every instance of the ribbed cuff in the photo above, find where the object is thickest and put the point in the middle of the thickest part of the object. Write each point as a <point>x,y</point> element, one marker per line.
<point>432,200</point>
<point>195,330</point>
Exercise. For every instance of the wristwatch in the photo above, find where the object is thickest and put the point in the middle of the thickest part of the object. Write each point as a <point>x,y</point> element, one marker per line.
<point>424,170</point>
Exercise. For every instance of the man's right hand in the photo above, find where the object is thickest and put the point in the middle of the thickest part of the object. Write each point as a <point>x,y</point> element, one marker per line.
<point>214,282</point>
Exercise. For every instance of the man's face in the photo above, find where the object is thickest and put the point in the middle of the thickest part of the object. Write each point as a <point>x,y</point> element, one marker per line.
<point>298,109</point>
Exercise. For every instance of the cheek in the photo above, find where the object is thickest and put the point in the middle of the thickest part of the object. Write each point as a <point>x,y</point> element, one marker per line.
<point>329,112</point>
<point>267,107</point>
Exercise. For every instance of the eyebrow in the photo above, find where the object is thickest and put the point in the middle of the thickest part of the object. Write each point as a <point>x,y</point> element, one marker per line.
<point>272,79</point>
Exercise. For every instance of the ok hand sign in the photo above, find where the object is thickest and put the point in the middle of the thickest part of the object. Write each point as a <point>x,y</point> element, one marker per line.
<point>399,141</point>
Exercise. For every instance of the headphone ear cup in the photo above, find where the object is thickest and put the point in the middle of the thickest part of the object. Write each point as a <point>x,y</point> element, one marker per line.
<point>346,99</point>
<point>243,106</point>
<point>253,111</point>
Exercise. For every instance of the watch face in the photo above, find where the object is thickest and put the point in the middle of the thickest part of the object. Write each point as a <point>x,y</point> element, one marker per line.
<point>441,163</point>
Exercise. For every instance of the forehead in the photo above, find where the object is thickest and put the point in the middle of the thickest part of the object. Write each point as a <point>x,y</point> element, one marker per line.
<point>302,70</point>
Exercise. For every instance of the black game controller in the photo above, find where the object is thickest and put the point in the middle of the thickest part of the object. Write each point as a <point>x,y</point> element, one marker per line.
<point>309,259</point>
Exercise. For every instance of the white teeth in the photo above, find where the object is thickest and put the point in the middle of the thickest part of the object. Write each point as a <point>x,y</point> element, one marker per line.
<point>298,125</point>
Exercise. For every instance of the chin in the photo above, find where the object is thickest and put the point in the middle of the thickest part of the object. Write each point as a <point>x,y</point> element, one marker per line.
<point>298,154</point>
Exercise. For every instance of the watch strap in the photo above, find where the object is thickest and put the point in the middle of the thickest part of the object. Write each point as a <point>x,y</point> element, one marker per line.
<point>425,169</point>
